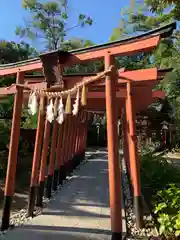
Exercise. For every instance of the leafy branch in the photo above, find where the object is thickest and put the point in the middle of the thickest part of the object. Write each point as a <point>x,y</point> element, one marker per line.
<point>48,21</point>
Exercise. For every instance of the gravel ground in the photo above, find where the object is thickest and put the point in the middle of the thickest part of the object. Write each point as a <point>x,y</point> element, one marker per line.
<point>132,231</point>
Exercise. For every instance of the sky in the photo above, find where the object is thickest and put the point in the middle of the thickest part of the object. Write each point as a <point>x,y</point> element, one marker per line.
<point>105,15</point>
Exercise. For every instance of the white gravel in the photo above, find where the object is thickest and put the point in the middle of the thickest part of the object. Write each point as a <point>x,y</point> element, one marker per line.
<point>132,230</point>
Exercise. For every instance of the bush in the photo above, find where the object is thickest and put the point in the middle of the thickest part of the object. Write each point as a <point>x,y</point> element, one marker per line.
<point>148,149</point>
<point>160,183</point>
<point>3,163</point>
<point>4,133</point>
<point>157,172</point>
<point>167,210</point>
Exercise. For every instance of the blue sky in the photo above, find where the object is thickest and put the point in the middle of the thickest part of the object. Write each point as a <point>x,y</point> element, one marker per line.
<point>105,15</point>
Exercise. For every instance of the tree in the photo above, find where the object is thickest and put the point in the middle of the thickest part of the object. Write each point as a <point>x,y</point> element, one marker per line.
<point>158,6</point>
<point>76,43</point>
<point>85,67</point>
<point>11,52</point>
<point>167,55</point>
<point>48,22</point>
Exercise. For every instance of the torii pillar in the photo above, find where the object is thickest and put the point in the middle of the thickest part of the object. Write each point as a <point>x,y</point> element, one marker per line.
<point>113,153</point>
<point>133,156</point>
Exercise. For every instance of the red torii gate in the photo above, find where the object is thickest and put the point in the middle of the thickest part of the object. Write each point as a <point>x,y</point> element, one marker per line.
<point>123,94</point>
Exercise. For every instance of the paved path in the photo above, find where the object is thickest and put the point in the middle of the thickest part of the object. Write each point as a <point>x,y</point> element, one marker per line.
<point>80,210</point>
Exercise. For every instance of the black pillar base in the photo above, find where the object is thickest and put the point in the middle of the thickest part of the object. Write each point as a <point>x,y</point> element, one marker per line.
<point>131,190</point>
<point>130,183</point>
<point>66,170</point>
<point>6,213</point>
<point>138,211</point>
<point>83,155</point>
<point>63,172</point>
<point>69,167</point>
<point>55,180</point>
<point>74,162</point>
<point>78,159</point>
<point>116,236</point>
<point>49,186</point>
<point>60,176</point>
<point>32,199</point>
<point>40,194</point>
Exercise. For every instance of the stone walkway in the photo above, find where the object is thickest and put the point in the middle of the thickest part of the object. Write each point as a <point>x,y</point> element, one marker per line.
<point>79,211</point>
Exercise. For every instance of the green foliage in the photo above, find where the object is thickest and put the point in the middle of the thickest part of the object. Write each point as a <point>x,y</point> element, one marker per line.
<point>157,172</point>
<point>167,211</point>
<point>97,135</point>
<point>5,134</point>
<point>5,121</point>
<point>161,181</point>
<point>6,107</point>
<point>85,68</point>
<point>3,163</point>
<point>48,22</point>
<point>148,148</point>
<point>158,6</point>
<point>30,121</point>
<point>75,44</point>
<point>11,52</point>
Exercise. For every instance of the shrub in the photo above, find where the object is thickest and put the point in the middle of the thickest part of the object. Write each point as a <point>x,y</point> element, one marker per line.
<point>162,182</point>
<point>156,172</point>
<point>167,211</point>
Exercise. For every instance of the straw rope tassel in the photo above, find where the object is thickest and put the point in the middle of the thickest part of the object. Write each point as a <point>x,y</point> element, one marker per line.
<point>84,96</point>
<point>76,104</point>
<point>32,103</point>
<point>68,105</point>
<point>50,111</point>
<point>61,114</point>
